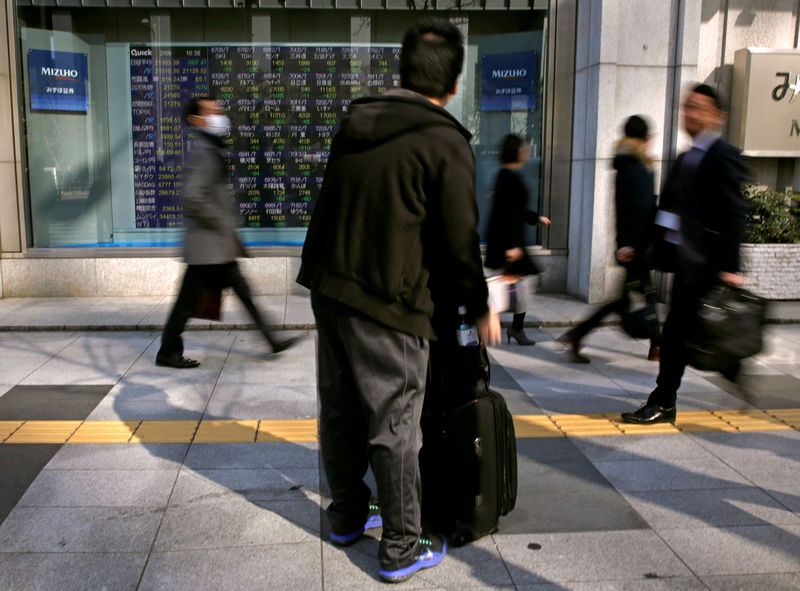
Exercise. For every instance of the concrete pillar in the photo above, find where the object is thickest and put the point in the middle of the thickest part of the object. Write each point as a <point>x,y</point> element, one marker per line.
<point>627,62</point>
<point>10,205</point>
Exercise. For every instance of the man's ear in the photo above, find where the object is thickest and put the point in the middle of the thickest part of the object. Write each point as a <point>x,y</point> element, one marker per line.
<point>453,91</point>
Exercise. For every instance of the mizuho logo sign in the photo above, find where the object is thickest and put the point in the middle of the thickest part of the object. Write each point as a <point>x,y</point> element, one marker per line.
<point>780,92</point>
<point>60,73</point>
<point>518,74</point>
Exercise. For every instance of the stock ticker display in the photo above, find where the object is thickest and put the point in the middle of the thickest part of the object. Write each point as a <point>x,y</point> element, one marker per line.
<point>284,103</point>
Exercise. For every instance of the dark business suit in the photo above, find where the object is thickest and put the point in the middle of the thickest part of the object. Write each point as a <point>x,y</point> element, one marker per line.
<point>704,190</point>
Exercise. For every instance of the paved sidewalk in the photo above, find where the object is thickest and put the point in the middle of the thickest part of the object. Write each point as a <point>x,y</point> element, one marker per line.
<point>215,480</point>
<point>291,312</point>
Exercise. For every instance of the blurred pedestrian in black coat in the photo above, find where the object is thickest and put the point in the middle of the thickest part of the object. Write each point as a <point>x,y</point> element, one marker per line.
<point>635,203</point>
<point>505,238</point>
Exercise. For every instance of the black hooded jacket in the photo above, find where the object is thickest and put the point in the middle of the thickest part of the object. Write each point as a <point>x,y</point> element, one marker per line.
<point>395,226</point>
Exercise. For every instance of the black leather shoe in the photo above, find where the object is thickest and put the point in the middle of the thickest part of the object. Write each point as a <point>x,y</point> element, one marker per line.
<point>279,346</point>
<point>649,414</point>
<point>178,362</point>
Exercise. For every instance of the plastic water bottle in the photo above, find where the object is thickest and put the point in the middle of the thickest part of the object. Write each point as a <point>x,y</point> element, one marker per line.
<point>467,333</point>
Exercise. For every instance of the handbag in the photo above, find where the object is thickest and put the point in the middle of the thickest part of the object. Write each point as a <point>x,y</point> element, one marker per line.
<point>729,327</point>
<point>209,303</point>
<point>641,323</point>
<point>502,294</point>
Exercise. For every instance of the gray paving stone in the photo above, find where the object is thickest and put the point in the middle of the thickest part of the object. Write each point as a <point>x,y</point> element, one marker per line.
<point>105,488</point>
<point>689,401</point>
<point>59,371</point>
<point>602,401</point>
<point>292,484</point>
<point>599,510</point>
<point>566,381</point>
<point>477,564</point>
<point>787,582</point>
<point>786,494</point>
<point>642,584</point>
<point>557,477</point>
<point>79,529</point>
<point>584,557</point>
<point>641,447</point>
<point>99,456</point>
<point>71,572</point>
<point>548,450</point>
<point>789,369</point>
<point>234,521</point>
<point>767,472</point>
<point>109,410</point>
<point>732,446</point>
<point>737,550</point>
<point>518,401</point>
<point>641,475</point>
<point>639,378</point>
<point>685,509</point>
<point>263,401</point>
<point>290,368</point>
<point>253,568</point>
<point>175,394</point>
<point>208,456</point>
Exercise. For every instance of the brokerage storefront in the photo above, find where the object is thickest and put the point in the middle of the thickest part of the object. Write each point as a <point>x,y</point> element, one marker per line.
<point>92,141</point>
<point>99,93</point>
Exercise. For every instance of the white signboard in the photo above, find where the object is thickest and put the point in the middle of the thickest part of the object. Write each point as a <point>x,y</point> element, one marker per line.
<point>765,103</point>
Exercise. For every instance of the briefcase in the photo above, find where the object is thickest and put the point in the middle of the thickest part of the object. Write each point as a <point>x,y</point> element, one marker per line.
<point>209,303</point>
<point>730,327</point>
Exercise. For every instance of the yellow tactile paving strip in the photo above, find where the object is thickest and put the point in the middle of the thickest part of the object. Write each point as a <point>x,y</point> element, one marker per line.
<point>301,430</point>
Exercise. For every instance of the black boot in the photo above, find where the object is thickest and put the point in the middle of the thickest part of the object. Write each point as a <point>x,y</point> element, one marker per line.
<point>573,342</point>
<point>517,331</point>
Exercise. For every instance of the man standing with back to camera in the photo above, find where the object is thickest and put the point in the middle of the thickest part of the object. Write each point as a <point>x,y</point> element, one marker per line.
<point>703,214</point>
<point>393,234</point>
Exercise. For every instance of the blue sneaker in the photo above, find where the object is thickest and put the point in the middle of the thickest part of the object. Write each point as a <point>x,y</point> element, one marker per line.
<point>373,520</point>
<point>430,552</point>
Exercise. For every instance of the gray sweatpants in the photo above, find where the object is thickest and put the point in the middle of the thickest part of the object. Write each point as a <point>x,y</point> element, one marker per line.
<point>371,384</point>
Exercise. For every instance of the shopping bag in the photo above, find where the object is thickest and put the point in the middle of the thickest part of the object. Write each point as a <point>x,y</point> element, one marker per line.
<point>502,294</point>
<point>209,303</point>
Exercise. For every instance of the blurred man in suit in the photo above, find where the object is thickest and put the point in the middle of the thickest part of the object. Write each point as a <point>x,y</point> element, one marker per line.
<point>702,214</point>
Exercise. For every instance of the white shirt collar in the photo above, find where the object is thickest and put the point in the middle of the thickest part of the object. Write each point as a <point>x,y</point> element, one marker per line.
<point>703,140</point>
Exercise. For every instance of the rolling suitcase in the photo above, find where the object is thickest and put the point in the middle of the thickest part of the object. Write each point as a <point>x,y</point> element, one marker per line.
<point>468,459</point>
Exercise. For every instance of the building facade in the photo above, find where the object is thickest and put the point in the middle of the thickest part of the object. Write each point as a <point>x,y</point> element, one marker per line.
<point>92,143</point>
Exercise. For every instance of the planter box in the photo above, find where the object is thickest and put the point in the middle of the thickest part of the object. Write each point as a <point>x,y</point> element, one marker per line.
<point>772,270</point>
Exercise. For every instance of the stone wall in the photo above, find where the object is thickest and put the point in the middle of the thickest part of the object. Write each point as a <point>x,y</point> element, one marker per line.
<point>772,270</point>
<point>104,277</point>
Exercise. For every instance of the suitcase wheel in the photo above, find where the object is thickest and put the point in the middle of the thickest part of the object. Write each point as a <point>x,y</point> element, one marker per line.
<point>461,537</point>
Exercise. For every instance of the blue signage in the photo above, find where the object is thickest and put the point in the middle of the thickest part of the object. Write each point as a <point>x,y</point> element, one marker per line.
<point>509,81</point>
<point>59,80</point>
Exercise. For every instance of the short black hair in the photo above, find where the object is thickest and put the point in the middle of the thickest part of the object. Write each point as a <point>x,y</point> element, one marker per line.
<point>706,90</point>
<point>192,107</point>
<point>636,127</point>
<point>432,57</point>
<point>509,148</point>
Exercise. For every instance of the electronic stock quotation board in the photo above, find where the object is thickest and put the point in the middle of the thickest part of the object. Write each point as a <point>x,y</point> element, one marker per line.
<point>284,103</point>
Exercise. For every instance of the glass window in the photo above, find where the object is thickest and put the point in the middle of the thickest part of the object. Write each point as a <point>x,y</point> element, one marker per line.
<point>103,91</point>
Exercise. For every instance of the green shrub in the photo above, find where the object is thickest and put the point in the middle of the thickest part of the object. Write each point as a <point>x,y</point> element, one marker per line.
<point>774,217</point>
